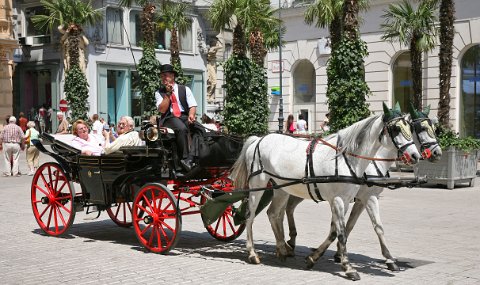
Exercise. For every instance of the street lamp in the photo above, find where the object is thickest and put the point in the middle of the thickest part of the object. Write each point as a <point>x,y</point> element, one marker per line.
<point>280,102</point>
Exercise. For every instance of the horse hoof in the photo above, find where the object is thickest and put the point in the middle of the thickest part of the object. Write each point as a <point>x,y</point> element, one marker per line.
<point>393,267</point>
<point>291,244</point>
<point>354,276</point>
<point>309,261</point>
<point>290,250</point>
<point>254,259</point>
<point>337,258</point>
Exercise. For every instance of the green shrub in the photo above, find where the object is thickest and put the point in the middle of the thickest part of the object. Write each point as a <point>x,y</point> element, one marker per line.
<point>76,93</point>
<point>246,103</point>
<point>347,90</point>
<point>149,72</point>
<point>448,138</point>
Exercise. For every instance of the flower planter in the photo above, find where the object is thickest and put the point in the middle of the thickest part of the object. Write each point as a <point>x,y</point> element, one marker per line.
<point>455,166</point>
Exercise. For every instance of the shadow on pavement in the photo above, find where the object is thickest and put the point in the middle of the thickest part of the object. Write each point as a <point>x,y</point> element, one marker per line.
<point>202,245</point>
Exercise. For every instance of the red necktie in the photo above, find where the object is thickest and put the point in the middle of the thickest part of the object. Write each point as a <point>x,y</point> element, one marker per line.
<point>175,107</point>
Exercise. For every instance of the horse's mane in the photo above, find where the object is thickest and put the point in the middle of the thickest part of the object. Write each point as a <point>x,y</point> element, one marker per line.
<point>354,137</point>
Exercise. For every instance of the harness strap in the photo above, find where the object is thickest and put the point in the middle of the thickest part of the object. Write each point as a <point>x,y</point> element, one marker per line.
<point>309,168</point>
<point>257,150</point>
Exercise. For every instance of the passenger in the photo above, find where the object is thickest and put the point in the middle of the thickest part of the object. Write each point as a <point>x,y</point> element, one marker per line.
<point>62,124</point>
<point>89,144</point>
<point>126,135</point>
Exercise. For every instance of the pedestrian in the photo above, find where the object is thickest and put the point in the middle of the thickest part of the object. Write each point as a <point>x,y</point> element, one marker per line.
<point>302,126</point>
<point>62,124</point>
<point>290,125</point>
<point>12,142</point>
<point>33,153</point>
<point>178,108</point>
<point>48,127</point>
<point>22,121</point>
<point>325,125</point>
<point>97,126</point>
<point>42,113</point>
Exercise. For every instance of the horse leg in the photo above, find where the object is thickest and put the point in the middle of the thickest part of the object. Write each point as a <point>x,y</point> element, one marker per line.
<point>374,213</point>
<point>253,201</point>
<point>357,209</point>
<point>317,253</point>
<point>292,203</point>
<point>276,213</point>
<point>339,207</point>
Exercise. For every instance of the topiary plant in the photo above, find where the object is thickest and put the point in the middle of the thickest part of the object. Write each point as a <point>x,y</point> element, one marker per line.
<point>76,93</point>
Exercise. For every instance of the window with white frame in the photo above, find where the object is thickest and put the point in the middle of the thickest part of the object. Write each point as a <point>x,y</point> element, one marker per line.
<point>114,21</point>
<point>162,36</point>
<point>402,80</point>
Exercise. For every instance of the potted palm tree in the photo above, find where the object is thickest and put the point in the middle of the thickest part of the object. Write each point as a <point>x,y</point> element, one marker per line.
<point>458,163</point>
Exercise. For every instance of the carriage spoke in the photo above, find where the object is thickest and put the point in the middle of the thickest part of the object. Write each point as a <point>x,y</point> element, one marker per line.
<point>55,217</point>
<point>232,226</point>
<point>124,212</point>
<point>41,190</point>
<point>167,226</point>
<point>159,237</point>
<point>61,188</point>
<point>61,216</point>
<point>45,183</point>
<point>56,179</point>
<point>145,229</point>
<point>167,240</point>
<point>63,206</point>
<point>49,217</point>
<point>144,198</point>
<point>45,210</point>
<point>150,240</point>
<point>144,209</point>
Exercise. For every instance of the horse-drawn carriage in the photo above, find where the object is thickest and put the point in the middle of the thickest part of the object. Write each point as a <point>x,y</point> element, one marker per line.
<point>138,186</point>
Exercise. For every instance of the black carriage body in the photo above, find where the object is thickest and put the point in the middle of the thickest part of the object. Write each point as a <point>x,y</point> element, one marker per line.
<point>108,179</point>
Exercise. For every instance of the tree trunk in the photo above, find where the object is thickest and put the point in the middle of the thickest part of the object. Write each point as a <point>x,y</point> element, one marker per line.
<point>447,32</point>
<point>257,49</point>
<point>416,58</point>
<point>73,44</point>
<point>174,49</point>
<point>350,15</point>
<point>239,41</point>
<point>148,25</point>
<point>335,31</point>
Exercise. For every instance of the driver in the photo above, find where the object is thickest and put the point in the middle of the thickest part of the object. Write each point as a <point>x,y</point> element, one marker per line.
<point>178,107</point>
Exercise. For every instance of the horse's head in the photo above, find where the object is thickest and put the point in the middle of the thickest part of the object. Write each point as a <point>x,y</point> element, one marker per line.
<point>425,131</point>
<point>400,133</point>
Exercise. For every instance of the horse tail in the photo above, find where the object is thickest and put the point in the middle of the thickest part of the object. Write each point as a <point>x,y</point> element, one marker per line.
<point>239,173</point>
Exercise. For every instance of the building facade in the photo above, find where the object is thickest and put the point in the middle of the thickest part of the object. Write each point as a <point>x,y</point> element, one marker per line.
<point>387,67</point>
<point>112,54</point>
<point>8,44</point>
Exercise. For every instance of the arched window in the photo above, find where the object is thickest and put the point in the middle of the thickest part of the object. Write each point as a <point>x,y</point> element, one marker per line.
<point>304,83</point>
<point>470,89</point>
<point>402,80</point>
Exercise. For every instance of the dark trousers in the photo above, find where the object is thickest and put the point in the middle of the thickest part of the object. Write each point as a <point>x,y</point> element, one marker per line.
<point>179,125</point>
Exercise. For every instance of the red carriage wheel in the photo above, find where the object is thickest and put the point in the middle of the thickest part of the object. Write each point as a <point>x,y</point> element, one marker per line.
<point>121,214</point>
<point>52,199</point>
<point>224,228</point>
<point>156,218</point>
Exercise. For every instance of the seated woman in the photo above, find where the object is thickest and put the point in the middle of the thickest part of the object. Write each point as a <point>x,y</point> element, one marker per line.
<point>89,144</point>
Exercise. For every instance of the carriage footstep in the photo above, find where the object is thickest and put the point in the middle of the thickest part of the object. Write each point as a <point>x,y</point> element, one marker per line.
<point>354,276</point>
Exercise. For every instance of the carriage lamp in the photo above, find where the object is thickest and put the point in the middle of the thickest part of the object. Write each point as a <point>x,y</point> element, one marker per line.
<point>148,132</point>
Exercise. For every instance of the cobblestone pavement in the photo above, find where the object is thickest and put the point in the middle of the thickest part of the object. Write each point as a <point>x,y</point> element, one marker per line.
<point>434,233</point>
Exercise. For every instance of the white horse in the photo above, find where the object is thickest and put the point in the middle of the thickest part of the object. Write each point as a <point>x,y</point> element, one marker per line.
<point>281,158</point>
<point>367,197</point>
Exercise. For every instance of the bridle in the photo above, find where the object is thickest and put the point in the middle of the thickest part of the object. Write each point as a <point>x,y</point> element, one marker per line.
<point>421,125</point>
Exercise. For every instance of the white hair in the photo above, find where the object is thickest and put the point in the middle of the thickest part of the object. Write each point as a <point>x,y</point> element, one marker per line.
<point>129,120</point>
<point>12,119</point>
<point>60,114</point>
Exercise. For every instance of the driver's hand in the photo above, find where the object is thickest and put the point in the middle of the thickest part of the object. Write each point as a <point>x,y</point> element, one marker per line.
<point>191,119</point>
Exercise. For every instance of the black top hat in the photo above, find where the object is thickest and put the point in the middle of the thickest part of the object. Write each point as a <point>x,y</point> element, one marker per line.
<point>168,68</point>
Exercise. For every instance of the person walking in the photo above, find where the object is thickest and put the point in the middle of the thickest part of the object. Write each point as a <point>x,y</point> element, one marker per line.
<point>33,153</point>
<point>12,142</point>
<point>301,125</point>
<point>290,124</point>
<point>22,121</point>
<point>178,108</point>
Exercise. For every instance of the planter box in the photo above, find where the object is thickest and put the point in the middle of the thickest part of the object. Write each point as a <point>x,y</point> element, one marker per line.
<point>455,166</point>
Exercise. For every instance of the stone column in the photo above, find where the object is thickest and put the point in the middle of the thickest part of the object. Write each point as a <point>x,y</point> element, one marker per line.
<point>7,45</point>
